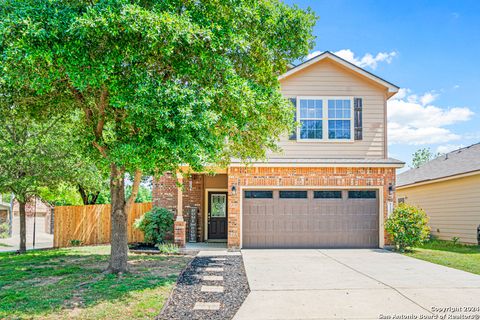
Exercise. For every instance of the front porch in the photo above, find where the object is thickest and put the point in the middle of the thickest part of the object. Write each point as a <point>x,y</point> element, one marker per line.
<point>200,205</point>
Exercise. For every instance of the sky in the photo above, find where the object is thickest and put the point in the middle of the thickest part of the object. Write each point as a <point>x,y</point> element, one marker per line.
<point>430,49</point>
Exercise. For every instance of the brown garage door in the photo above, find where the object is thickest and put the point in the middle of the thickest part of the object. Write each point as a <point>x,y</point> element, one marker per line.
<point>310,219</point>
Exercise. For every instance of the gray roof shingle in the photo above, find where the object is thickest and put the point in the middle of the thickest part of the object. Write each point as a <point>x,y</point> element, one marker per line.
<point>457,162</point>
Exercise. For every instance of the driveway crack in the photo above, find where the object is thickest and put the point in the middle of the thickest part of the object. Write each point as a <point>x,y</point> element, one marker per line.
<point>370,277</point>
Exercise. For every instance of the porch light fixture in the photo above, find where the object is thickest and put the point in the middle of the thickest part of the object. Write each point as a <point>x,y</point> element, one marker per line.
<point>234,189</point>
<point>391,189</point>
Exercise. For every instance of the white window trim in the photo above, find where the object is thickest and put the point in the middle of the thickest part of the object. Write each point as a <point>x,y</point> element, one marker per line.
<point>325,118</point>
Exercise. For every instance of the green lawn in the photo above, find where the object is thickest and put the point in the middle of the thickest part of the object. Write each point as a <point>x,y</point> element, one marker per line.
<point>70,284</point>
<point>446,253</point>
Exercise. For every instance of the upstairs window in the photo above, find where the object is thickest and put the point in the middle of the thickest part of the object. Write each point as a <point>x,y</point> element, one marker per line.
<point>325,118</point>
<point>311,119</point>
<point>339,119</point>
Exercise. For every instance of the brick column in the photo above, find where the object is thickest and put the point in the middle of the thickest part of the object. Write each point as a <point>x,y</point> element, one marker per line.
<point>180,230</point>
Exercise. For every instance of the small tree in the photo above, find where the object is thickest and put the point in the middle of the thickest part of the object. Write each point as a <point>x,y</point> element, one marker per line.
<point>34,147</point>
<point>407,226</point>
<point>155,225</point>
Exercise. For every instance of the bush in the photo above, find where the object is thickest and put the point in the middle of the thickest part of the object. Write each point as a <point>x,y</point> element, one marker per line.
<point>168,248</point>
<point>407,227</point>
<point>155,224</point>
<point>4,230</point>
<point>75,243</point>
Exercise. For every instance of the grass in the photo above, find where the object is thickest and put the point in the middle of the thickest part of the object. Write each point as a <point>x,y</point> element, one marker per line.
<point>446,253</point>
<point>70,284</point>
<point>4,245</point>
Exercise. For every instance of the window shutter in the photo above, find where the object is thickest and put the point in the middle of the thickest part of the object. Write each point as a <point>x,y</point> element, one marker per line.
<point>293,135</point>
<point>357,110</point>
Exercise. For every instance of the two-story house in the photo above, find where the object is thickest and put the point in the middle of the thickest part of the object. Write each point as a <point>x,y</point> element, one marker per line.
<point>330,187</point>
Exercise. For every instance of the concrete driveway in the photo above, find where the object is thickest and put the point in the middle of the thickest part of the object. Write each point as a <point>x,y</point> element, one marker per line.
<point>351,284</point>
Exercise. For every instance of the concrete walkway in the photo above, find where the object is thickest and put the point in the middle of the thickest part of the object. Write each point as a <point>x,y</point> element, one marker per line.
<point>351,284</point>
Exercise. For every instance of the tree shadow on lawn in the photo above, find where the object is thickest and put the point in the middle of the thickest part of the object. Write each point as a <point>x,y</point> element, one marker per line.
<point>41,282</point>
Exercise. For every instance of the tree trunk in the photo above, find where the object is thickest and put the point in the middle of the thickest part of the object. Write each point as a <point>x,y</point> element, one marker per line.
<point>118,236</point>
<point>23,227</point>
<point>137,178</point>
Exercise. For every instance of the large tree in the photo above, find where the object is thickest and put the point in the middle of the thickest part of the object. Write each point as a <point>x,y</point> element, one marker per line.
<point>161,84</point>
<point>34,146</point>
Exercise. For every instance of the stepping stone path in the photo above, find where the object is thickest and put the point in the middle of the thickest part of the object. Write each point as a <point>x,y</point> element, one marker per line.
<point>210,288</point>
<point>218,268</point>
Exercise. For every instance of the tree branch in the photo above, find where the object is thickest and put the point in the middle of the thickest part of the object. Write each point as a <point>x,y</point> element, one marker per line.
<point>136,185</point>
<point>101,113</point>
<point>100,148</point>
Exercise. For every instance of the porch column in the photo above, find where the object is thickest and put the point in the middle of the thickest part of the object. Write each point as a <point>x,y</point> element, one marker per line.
<point>180,225</point>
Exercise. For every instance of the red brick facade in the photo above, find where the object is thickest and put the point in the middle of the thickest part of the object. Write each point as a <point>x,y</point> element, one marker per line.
<point>165,194</point>
<point>304,177</point>
<point>165,189</point>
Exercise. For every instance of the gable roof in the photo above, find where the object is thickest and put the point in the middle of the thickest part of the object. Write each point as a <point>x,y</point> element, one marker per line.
<point>458,162</point>
<point>392,89</point>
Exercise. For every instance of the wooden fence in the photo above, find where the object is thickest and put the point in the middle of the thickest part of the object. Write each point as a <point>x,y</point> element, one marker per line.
<point>91,224</point>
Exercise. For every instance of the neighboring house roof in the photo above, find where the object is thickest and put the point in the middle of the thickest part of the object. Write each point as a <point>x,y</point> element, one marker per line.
<point>392,89</point>
<point>458,162</point>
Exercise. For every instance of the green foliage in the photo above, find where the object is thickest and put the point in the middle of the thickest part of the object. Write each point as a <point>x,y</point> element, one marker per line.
<point>168,248</point>
<point>6,197</point>
<point>75,243</point>
<point>161,83</point>
<point>60,195</point>
<point>35,142</point>
<point>4,228</point>
<point>155,224</point>
<point>422,156</point>
<point>407,226</point>
<point>455,240</point>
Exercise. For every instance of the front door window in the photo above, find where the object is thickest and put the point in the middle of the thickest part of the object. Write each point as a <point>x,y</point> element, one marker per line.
<point>219,206</point>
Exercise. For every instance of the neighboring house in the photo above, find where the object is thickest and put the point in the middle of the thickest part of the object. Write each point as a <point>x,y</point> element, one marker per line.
<point>329,187</point>
<point>448,189</point>
<point>35,206</point>
<point>4,212</point>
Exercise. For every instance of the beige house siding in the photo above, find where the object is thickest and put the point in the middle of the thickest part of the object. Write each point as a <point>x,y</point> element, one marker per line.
<point>327,78</point>
<point>452,205</point>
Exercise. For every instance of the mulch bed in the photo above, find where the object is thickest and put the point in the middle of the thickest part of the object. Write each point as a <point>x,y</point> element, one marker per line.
<point>187,291</point>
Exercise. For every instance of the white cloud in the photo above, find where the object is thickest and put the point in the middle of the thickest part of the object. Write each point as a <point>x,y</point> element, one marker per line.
<point>413,120</point>
<point>456,86</point>
<point>368,60</point>
<point>313,55</point>
<point>428,98</point>
<point>448,147</point>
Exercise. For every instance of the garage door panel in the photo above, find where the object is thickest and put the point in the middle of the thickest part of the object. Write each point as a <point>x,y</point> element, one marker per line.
<point>310,223</point>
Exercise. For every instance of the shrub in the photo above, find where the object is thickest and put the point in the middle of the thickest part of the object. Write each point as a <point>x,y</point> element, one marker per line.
<point>155,224</point>
<point>407,226</point>
<point>4,230</point>
<point>168,248</point>
<point>75,242</point>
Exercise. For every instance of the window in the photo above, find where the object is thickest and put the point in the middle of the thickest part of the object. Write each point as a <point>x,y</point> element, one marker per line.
<point>401,200</point>
<point>325,118</point>
<point>362,194</point>
<point>327,194</point>
<point>293,194</point>
<point>339,119</point>
<point>259,194</point>
<point>311,119</point>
